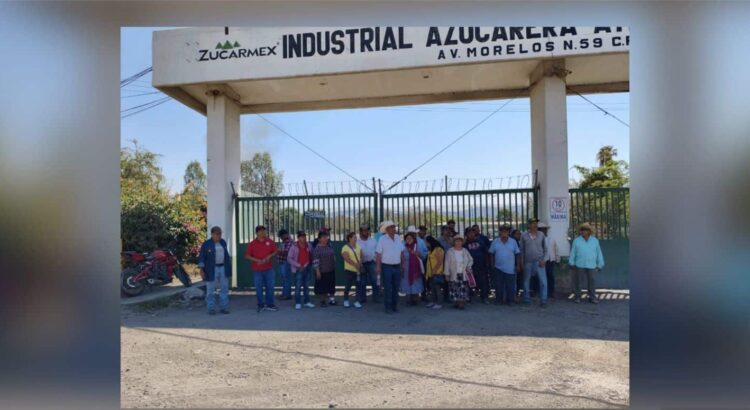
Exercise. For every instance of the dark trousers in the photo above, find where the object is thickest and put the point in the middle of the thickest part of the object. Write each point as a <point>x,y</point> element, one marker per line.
<point>372,278</point>
<point>446,292</point>
<point>356,279</point>
<point>505,286</point>
<point>391,282</point>
<point>481,275</point>
<point>436,288</point>
<point>519,283</point>
<point>425,284</point>
<point>577,275</point>
<point>550,268</point>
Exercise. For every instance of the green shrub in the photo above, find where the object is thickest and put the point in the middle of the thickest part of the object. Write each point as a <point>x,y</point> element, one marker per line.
<point>151,219</point>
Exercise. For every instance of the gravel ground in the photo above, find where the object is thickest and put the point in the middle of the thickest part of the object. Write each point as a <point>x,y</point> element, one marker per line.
<point>568,355</point>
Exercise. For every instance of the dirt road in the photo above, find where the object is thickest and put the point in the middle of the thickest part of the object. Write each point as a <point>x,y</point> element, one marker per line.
<point>487,356</point>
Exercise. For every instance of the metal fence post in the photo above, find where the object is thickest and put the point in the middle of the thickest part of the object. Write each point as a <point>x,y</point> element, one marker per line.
<point>379,201</point>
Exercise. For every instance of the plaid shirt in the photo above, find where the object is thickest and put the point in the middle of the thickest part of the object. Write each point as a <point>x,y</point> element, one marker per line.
<point>284,251</point>
<point>324,259</point>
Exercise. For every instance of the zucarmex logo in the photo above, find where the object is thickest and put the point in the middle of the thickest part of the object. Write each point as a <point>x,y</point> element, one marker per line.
<point>229,50</point>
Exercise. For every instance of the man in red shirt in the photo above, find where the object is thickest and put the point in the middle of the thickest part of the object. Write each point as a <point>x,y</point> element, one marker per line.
<point>260,252</point>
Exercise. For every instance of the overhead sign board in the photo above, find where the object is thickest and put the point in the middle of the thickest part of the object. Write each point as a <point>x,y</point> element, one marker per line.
<point>187,56</point>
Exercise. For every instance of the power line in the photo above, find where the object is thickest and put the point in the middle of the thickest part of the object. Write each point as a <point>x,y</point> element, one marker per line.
<point>139,95</point>
<point>136,76</point>
<point>153,104</point>
<point>456,140</point>
<point>137,86</point>
<point>600,108</point>
<point>139,106</point>
<point>146,108</point>
<point>311,150</point>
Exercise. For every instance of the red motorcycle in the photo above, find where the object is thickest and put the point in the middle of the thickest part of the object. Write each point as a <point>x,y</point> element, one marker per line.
<point>149,269</point>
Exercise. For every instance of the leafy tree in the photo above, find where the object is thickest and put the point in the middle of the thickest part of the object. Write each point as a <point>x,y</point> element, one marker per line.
<point>151,218</point>
<point>606,153</point>
<point>417,216</point>
<point>366,216</point>
<point>141,166</point>
<point>610,173</point>
<point>340,225</point>
<point>195,179</point>
<point>505,215</point>
<point>607,211</point>
<point>290,218</point>
<point>259,176</point>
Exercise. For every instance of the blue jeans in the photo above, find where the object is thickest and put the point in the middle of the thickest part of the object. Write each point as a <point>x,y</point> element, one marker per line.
<point>301,280</point>
<point>505,286</point>
<point>286,280</point>
<point>530,269</point>
<point>222,282</point>
<point>372,277</point>
<point>264,280</point>
<point>391,282</point>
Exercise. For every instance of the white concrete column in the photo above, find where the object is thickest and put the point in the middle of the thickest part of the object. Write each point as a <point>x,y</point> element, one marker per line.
<point>549,148</point>
<point>223,166</point>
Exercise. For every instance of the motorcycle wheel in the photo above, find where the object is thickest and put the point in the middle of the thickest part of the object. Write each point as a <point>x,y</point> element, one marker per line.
<point>128,286</point>
<point>183,277</point>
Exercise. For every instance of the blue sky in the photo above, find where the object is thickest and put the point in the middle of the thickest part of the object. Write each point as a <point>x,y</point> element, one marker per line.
<point>359,139</point>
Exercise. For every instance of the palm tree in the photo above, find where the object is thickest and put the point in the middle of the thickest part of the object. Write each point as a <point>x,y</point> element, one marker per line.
<point>606,154</point>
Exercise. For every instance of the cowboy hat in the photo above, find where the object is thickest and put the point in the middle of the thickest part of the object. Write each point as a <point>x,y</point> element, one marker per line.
<point>533,220</point>
<point>385,224</point>
<point>411,229</point>
<point>585,227</point>
<point>457,238</point>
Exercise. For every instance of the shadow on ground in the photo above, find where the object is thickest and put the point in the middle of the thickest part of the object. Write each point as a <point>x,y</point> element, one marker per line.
<point>609,320</point>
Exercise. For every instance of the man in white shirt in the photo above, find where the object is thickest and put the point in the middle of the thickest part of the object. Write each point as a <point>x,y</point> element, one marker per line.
<point>552,258</point>
<point>389,261</point>
<point>368,245</point>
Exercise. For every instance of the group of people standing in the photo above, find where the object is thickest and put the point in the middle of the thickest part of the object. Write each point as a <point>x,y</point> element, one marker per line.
<point>452,267</point>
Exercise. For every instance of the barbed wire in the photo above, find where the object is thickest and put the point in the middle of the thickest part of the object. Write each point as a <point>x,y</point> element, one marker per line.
<point>406,187</point>
<point>326,187</point>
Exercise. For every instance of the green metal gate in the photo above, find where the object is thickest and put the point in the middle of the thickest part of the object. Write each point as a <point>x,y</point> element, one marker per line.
<point>489,209</point>
<point>607,209</point>
<point>342,213</point>
<point>608,212</point>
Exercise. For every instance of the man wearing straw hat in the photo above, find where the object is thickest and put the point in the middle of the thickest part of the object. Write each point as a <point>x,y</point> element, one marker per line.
<point>389,262</point>
<point>585,257</point>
